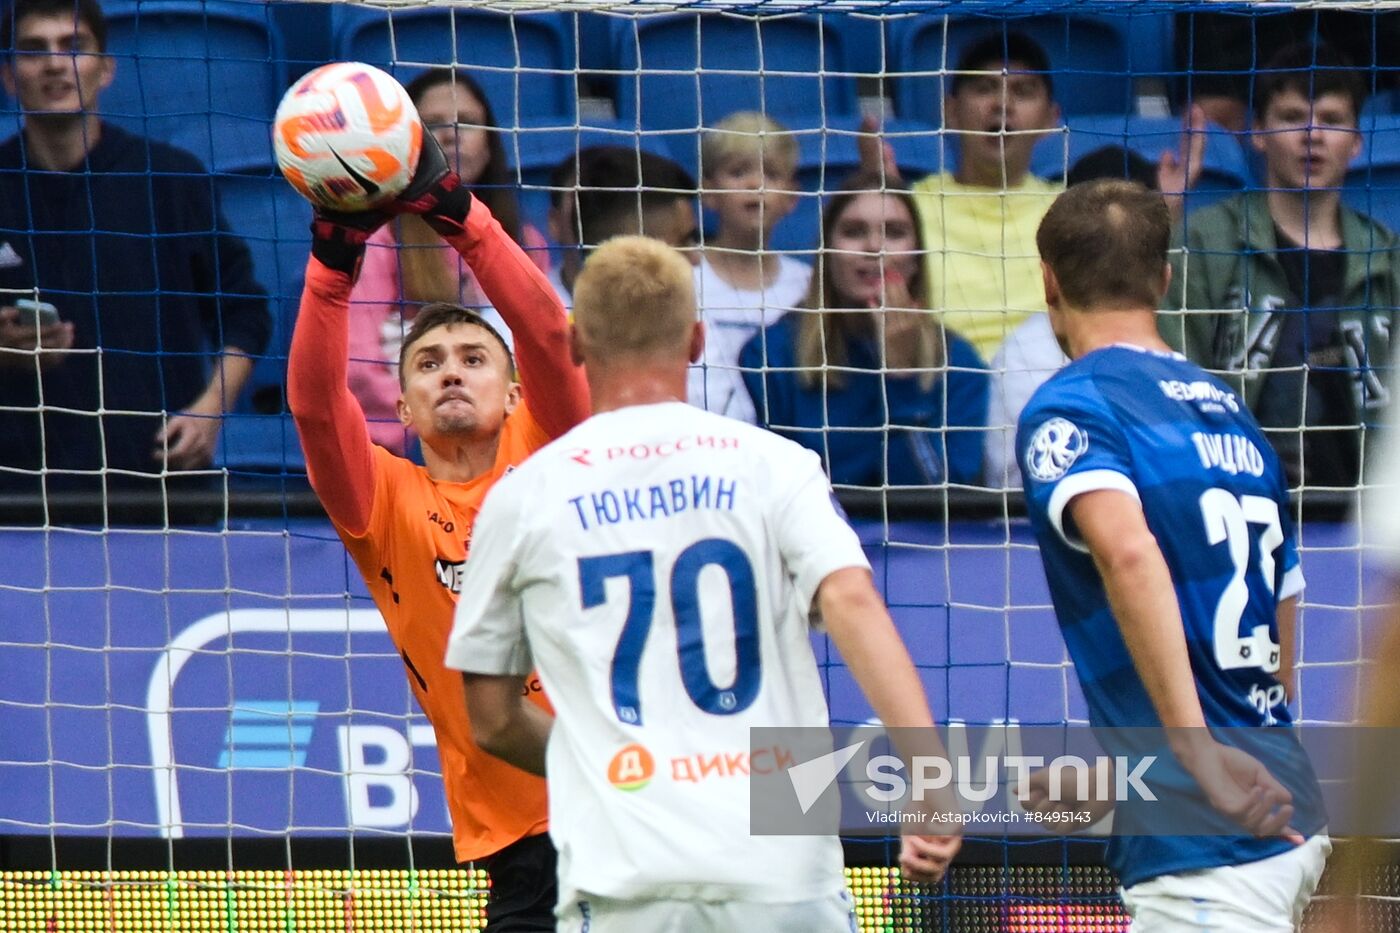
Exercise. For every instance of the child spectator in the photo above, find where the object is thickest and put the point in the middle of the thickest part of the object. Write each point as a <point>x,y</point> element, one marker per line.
<point>865,375</point>
<point>407,265</point>
<point>749,164</point>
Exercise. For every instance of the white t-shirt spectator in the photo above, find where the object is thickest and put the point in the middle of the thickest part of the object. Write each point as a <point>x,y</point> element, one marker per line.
<point>731,317</point>
<point>1028,357</point>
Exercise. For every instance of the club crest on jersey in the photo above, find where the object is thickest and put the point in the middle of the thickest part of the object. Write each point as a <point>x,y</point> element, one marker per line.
<point>1054,447</point>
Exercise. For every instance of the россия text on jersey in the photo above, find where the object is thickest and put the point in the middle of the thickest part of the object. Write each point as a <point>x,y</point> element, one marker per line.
<point>659,500</point>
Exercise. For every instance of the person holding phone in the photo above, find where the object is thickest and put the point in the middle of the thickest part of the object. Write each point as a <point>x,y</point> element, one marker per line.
<point>155,313</point>
<point>35,329</point>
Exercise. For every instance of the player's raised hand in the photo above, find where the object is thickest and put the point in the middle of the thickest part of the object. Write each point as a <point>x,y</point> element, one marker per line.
<point>926,858</point>
<point>1239,786</point>
<point>436,191</point>
<point>338,237</point>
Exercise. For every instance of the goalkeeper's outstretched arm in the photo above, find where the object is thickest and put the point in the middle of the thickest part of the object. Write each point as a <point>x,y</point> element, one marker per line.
<point>334,435</point>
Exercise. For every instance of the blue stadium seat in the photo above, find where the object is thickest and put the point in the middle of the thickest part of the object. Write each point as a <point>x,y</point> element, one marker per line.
<point>524,61</point>
<point>306,35</point>
<point>920,148</point>
<point>259,444</point>
<point>802,84</point>
<point>207,75</point>
<point>1373,184</point>
<point>1093,58</point>
<point>1382,103</point>
<point>1224,169</point>
<point>273,220</point>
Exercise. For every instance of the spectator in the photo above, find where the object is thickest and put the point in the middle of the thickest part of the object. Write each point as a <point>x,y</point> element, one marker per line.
<point>1031,354</point>
<point>626,192</point>
<point>1310,286</point>
<point>601,192</point>
<point>122,235</point>
<point>407,265</point>
<point>750,167</point>
<point>979,222</point>
<point>865,375</point>
<point>1112,162</point>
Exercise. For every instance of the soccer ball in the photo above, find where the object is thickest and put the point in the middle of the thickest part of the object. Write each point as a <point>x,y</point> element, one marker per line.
<point>347,136</point>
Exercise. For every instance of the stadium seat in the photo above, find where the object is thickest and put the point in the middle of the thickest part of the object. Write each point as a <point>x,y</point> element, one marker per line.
<point>1224,170</point>
<point>1373,184</point>
<point>1094,59</point>
<point>524,61</point>
<point>920,148</point>
<point>802,83</point>
<point>205,74</point>
<point>259,444</point>
<point>308,40</point>
<point>1382,103</point>
<point>273,220</point>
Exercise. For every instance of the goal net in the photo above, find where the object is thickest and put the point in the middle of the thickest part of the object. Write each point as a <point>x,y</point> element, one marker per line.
<point>203,723</point>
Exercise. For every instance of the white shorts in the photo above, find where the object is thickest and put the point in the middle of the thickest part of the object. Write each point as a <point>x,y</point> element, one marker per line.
<point>589,914</point>
<point>1267,896</point>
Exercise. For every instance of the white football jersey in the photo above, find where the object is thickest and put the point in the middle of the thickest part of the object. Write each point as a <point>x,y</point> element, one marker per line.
<point>657,566</point>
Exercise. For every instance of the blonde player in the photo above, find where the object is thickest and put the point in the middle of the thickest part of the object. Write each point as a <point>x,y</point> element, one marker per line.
<point>662,566</point>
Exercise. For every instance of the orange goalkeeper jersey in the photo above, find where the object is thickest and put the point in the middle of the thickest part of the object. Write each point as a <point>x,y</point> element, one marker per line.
<point>411,556</point>
<point>408,534</point>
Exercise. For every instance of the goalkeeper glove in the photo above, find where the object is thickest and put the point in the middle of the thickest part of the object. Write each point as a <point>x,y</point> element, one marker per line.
<point>338,237</point>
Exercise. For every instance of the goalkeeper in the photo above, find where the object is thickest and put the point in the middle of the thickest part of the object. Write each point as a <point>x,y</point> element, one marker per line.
<point>409,527</point>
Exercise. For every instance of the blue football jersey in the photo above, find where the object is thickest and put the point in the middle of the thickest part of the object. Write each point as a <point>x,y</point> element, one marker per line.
<point>1158,428</point>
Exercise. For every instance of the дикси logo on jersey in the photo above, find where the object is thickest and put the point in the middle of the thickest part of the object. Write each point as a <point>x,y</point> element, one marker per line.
<point>1054,447</point>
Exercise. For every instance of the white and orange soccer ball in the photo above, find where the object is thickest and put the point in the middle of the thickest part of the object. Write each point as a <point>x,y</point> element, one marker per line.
<point>347,136</point>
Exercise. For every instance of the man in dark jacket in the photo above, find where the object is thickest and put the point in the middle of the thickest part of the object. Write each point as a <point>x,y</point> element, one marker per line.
<point>1287,293</point>
<point>158,309</point>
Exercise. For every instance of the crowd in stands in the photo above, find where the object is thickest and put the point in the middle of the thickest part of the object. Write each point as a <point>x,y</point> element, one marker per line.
<point>159,311</point>
<point>902,350</point>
